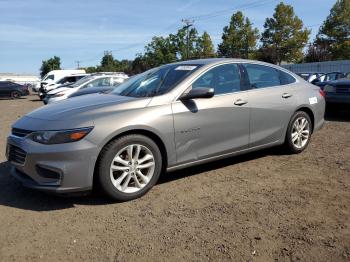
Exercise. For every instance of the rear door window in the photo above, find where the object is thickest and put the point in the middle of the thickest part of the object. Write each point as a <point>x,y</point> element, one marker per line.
<point>261,76</point>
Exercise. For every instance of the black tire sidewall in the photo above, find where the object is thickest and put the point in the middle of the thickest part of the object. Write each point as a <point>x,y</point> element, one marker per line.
<point>289,143</point>
<point>15,95</point>
<point>109,153</point>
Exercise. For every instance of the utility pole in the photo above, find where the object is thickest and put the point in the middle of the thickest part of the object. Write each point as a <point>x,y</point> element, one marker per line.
<point>188,23</point>
<point>78,64</point>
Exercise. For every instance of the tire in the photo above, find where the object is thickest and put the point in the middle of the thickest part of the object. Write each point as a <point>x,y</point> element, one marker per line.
<point>15,94</point>
<point>115,156</point>
<point>296,146</point>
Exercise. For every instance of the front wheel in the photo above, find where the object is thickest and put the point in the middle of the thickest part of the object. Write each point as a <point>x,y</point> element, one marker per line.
<point>298,133</point>
<point>129,166</point>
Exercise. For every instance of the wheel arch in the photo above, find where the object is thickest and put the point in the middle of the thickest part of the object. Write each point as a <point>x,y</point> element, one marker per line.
<point>310,113</point>
<point>137,131</point>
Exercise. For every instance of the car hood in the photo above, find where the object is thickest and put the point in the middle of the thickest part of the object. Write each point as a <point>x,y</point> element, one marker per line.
<point>88,106</point>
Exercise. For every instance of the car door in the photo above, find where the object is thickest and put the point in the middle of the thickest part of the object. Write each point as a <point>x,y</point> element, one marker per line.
<point>3,88</point>
<point>272,102</point>
<point>218,125</point>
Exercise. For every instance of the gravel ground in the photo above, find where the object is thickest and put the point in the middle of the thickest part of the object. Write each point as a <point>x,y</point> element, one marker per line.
<point>262,206</point>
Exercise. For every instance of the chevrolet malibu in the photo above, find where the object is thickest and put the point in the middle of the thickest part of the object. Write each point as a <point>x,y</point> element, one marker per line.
<point>171,117</point>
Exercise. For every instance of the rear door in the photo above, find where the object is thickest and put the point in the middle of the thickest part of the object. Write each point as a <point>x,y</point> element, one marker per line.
<point>213,126</point>
<point>272,102</point>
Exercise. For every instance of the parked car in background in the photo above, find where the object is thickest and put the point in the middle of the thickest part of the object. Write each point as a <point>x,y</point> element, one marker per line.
<point>337,92</point>
<point>310,76</point>
<point>94,80</point>
<point>56,75</point>
<point>324,79</point>
<point>92,90</point>
<point>67,80</point>
<point>13,90</point>
<point>171,117</point>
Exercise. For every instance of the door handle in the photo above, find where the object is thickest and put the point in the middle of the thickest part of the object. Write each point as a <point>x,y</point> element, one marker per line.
<point>286,95</point>
<point>240,102</point>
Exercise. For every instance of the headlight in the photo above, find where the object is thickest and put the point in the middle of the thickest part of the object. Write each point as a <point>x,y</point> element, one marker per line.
<point>328,88</point>
<point>58,95</point>
<point>60,137</point>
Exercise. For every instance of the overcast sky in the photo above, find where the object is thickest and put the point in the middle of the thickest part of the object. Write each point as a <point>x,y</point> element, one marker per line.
<point>34,30</point>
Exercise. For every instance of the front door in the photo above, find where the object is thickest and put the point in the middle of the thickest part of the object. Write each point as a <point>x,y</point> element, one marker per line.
<point>218,125</point>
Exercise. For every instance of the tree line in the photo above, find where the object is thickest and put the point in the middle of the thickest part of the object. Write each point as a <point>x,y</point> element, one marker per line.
<point>284,39</point>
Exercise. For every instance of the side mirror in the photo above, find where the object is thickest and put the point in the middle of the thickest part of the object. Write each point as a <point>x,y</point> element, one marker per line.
<point>201,92</point>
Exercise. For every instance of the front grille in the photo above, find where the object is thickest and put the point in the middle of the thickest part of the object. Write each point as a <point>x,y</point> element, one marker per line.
<point>20,132</point>
<point>16,154</point>
<point>343,89</point>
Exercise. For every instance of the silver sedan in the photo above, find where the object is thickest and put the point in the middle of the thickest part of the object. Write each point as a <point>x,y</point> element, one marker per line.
<point>170,117</point>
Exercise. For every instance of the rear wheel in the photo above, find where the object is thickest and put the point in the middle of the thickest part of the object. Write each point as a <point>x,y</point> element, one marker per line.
<point>298,133</point>
<point>15,94</point>
<point>129,166</point>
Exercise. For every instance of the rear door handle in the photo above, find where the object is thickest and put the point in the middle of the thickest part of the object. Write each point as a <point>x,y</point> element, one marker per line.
<point>286,95</point>
<point>240,102</point>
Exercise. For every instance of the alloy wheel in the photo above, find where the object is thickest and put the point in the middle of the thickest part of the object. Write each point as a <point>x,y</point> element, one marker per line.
<point>300,132</point>
<point>132,168</point>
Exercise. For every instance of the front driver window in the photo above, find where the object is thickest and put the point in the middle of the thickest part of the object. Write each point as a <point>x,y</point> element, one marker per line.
<point>224,79</point>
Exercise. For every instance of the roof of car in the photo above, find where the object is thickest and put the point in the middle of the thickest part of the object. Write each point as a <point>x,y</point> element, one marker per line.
<point>208,61</point>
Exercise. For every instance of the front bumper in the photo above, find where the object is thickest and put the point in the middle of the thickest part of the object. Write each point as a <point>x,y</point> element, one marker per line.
<point>337,98</point>
<point>61,168</point>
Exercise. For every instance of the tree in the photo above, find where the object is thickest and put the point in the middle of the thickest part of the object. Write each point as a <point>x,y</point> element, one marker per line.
<point>49,65</point>
<point>239,38</point>
<point>334,34</point>
<point>107,63</point>
<point>284,35</point>
<point>160,51</point>
<point>184,50</point>
<point>205,47</point>
<point>317,53</point>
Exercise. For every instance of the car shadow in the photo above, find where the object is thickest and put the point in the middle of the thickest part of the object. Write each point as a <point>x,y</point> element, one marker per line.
<point>10,98</point>
<point>13,194</point>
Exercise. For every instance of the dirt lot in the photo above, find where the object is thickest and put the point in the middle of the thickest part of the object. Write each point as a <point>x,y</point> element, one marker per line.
<point>263,206</point>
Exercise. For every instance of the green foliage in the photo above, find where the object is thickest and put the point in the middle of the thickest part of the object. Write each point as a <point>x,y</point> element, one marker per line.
<point>334,34</point>
<point>317,53</point>
<point>239,38</point>
<point>49,65</point>
<point>107,63</point>
<point>204,47</point>
<point>284,36</point>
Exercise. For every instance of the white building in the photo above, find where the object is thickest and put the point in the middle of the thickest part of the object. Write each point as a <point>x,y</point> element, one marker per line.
<point>20,78</point>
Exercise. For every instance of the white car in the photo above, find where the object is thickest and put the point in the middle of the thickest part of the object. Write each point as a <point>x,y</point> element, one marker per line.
<point>64,81</point>
<point>55,75</point>
<point>94,80</point>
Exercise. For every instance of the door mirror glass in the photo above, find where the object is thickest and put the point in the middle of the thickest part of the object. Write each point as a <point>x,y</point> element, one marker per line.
<point>199,92</point>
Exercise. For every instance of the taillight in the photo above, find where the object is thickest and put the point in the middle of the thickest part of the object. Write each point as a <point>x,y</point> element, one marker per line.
<point>322,93</point>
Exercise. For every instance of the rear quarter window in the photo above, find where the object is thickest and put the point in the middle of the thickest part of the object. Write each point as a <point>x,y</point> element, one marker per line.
<point>286,78</point>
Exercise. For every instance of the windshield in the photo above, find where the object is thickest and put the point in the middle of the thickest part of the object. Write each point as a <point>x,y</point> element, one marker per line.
<point>156,81</point>
<point>81,81</point>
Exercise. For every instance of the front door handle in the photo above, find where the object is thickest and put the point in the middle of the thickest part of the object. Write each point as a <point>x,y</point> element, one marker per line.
<point>286,95</point>
<point>240,102</point>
